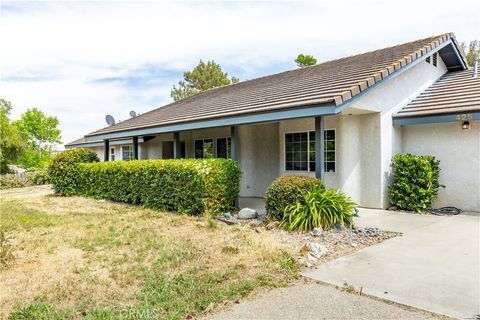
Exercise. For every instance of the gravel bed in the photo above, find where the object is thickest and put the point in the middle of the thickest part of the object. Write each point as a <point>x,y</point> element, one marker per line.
<point>319,245</point>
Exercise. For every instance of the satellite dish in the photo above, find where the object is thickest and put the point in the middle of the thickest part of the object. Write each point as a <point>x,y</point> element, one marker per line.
<point>110,120</point>
<point>133,114</point>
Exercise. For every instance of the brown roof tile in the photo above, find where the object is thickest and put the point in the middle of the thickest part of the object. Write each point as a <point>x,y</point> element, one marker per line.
<point>330,82</point>
<point>455,92</point>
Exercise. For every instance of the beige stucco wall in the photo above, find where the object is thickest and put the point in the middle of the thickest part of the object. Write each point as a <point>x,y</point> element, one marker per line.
<point>459,154</point>
<point>258,157</point>
<point>385,100</point>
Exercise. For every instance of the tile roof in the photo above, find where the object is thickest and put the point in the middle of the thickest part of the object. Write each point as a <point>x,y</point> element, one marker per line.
<point>332,82</point>
<point>78,141</point>
<point>455,92</point>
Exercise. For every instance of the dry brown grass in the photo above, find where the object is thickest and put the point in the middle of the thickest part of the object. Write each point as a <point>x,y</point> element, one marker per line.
<point>82,254</point>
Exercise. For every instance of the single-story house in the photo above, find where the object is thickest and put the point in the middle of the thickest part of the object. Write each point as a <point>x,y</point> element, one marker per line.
<point>341,121</point>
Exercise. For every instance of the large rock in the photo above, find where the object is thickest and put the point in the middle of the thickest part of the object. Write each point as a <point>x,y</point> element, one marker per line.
<point>247,213</point>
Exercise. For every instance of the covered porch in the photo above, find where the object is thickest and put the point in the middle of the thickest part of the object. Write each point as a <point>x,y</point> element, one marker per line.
<point>341,150</point>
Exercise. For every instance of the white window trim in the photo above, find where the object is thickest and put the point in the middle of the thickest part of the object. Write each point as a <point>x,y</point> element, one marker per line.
<point>335,151</point>
<point>129,146</point>
<point>308,150</point>
<point>112,153</point>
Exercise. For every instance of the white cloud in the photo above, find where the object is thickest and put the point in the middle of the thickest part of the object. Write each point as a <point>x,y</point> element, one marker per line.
<point>53,52</point>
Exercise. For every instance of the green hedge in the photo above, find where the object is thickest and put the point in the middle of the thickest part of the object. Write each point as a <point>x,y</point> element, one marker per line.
<point>184,186</point>
<point>63,170</point>
<point>286,191</point>
<point>415,182</point>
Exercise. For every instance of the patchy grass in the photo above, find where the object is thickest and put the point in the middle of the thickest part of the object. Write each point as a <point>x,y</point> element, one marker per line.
<point>82,258</point>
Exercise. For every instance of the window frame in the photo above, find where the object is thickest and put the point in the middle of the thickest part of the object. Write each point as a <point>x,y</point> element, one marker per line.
<point>130,147</point>
<point>227,145</point>
<point>335,152</point>
<point>214,151</point>
<point>308,150</point>
<point>112,153</point>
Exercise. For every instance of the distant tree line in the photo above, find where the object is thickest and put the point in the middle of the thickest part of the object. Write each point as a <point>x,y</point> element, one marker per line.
<point>28,142</point>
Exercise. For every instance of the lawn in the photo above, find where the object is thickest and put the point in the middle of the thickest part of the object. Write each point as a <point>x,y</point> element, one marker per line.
<point>83,258</point>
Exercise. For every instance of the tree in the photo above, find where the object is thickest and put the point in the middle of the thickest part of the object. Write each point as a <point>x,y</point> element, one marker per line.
<point>304,60</point>
<point>203,77</point>
<point>11,143</point>
<point>473,53</point>
<point>41,134</point>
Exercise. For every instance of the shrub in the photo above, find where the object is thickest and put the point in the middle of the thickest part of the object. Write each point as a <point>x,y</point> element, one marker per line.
<point>9,181</point>
<point>185,186</point>
<point>37,177</point>
<point>415,182</point>
<point>63,170</point>
<point>319,208</point>
<point>287,190</point>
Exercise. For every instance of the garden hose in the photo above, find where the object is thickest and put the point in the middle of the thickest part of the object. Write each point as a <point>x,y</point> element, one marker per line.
<point>445,211</point>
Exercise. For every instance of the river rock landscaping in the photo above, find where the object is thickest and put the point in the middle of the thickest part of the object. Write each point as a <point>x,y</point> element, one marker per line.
<point>314,247</point>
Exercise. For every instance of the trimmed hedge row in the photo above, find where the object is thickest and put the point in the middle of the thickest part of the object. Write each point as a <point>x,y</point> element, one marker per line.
<point>185,186</point>
<point>63,170</point>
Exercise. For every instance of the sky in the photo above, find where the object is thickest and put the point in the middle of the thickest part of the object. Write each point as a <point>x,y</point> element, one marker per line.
<point>82,60</point>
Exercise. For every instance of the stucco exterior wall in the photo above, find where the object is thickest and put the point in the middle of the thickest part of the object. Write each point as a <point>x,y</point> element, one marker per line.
<point>459,154</point>
<point>385,100</point>
<point>258,158</point>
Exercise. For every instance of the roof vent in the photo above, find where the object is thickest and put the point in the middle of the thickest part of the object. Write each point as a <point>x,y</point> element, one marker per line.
<point>428,59</point>
<point>434,59</point>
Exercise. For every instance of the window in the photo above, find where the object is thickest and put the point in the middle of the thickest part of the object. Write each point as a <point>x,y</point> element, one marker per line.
<point>204,149</point>
<point>224,148</point>
<point>329,146</point>
<point>112,154</point>
<point>300,151</point>
<point>127,153</point>
<point>434,59</point>
<point>296,152</point>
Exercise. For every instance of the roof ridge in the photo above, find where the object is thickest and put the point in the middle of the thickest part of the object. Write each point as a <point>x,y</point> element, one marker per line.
<point>399,64</point>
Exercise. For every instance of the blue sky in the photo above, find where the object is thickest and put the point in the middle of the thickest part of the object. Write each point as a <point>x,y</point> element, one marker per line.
<point>82,60</point>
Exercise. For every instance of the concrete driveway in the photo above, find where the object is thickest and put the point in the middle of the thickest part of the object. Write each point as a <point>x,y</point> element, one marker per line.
<point>434,265</point>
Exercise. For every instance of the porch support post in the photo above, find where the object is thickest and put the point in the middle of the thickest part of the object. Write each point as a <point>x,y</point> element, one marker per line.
<point>176,146</point>
<point>234,150</point>
<point>106,150</point>
<point>135,148</point>
<point>319,148</point>
<point>234,139</point>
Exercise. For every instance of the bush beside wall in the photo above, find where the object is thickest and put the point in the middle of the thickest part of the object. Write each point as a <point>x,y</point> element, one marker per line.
<point>286,191</point>
<point>415,182</point>
<point>185,186</point>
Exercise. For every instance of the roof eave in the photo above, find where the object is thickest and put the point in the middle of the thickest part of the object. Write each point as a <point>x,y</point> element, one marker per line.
<point>292,113</point>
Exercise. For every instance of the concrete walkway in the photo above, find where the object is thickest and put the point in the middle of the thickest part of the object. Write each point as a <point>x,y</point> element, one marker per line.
<point>434,266</point>
<point>315,301</point>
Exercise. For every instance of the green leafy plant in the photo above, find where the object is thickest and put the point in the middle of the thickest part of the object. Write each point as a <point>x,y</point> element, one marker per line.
<point>415,182</point>
<point>183,186</point>
<point>319,208</point>
<point>287,190</point>
<point>63,170</point>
